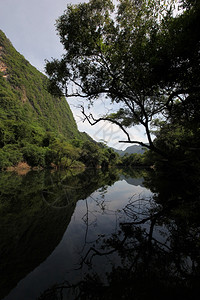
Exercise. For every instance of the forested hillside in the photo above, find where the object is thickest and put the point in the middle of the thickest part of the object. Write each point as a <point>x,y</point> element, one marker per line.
<point>24,97</point>
<point>37,128</point>
<point>33,123</point>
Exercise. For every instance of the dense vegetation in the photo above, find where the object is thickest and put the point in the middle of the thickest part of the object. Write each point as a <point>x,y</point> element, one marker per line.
<point>36,127</point>
<point>143,56</point>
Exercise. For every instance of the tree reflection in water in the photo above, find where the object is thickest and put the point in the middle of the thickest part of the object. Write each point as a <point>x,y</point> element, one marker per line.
<point>35,211</point>
<point>158,247</point>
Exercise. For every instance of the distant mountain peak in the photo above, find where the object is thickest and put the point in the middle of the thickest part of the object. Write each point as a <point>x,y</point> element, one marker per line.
<point>130,150</point>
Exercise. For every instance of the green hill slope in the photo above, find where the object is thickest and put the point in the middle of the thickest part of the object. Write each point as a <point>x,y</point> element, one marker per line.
<point>24,96</point>
<point>35,127</point>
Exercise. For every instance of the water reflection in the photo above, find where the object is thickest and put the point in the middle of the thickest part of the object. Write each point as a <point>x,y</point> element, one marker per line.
<point>119,241</point>
<point>35,211</point>
<point>153,251</point>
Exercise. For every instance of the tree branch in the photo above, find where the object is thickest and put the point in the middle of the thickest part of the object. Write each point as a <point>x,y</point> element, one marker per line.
<point>137,142</point>
<point>95,121</point>
<point>178,92</point>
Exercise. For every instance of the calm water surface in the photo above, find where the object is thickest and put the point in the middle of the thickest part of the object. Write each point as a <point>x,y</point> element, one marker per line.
<point>59,228</point>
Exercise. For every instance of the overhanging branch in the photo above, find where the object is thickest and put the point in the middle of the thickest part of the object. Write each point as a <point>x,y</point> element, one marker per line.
<point>137,142</point>
<point>95,121</point>
<point>92,121</point>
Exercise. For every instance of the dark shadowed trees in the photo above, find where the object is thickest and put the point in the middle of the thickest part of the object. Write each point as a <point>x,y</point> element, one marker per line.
<point>142,56</point>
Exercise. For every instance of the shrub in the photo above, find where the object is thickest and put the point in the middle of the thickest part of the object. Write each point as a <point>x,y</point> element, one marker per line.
<point>13,152</point>
<point>4,160</point>
<point>34,155</point>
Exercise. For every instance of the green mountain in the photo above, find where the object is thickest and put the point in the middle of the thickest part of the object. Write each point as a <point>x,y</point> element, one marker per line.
<point>130,150</point>
<point>31,119</point>
<point>24,95</point>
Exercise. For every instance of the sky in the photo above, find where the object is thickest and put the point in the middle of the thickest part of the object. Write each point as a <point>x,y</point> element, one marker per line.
<point>30,26</point>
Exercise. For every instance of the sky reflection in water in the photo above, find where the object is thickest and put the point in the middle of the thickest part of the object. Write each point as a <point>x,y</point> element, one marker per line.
<point>98,215</point>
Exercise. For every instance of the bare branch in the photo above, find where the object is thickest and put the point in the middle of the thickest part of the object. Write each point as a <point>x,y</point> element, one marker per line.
<point>95,121</point>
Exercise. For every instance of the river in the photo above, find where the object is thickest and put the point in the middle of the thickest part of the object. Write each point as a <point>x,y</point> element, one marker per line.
<point>95,235</point>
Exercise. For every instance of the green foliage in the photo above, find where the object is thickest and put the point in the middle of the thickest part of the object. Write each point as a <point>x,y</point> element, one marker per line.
<point>24,95</point>
<point>4,159</point>
<point>10,155</point>
<point>34,155</point>
<point>77,143</point>
<point>91,155</point>
<point>144,57</point>
<point>64,154</point>
<point>132,160</point>
<point>34,126</point>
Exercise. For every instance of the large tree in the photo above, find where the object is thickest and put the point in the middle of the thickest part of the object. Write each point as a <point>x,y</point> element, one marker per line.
<point>142,55</point>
